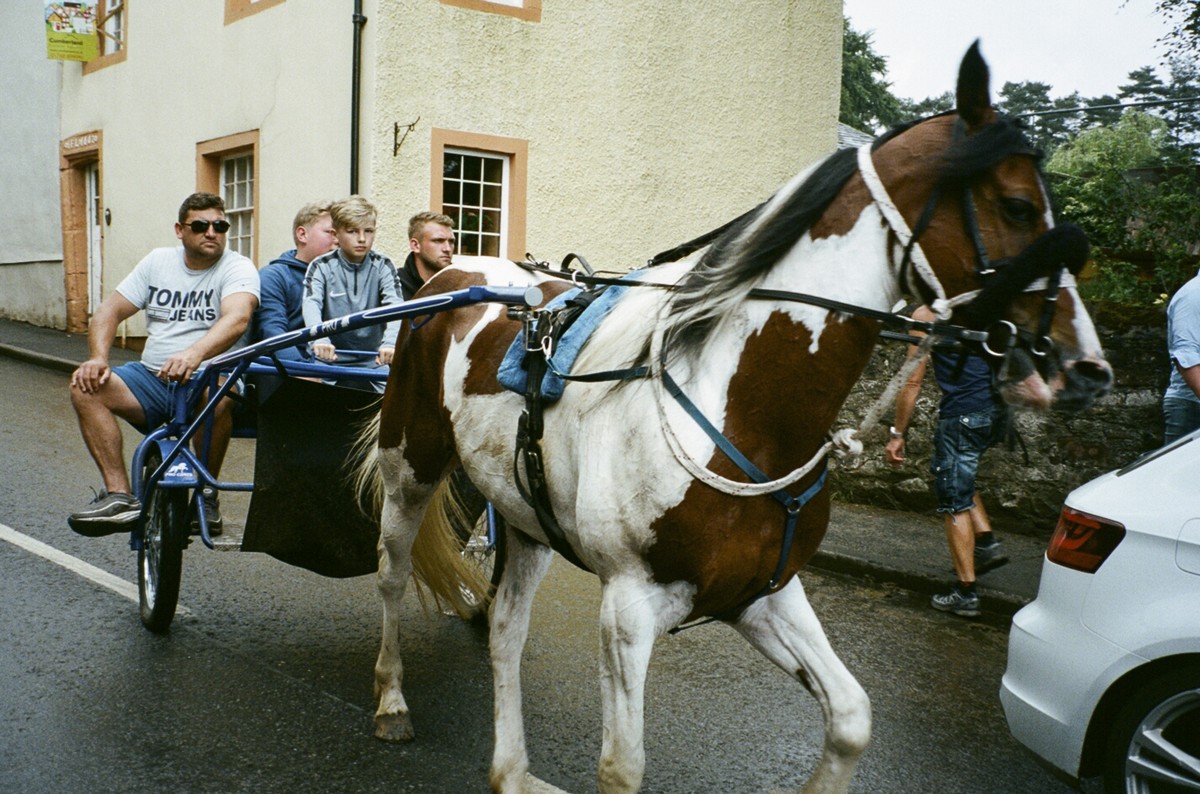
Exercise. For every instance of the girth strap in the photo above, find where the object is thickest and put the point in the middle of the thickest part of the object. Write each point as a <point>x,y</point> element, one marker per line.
<point>530,426</point>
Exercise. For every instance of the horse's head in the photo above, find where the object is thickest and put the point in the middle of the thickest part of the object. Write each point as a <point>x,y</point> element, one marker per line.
<point>975,234</point>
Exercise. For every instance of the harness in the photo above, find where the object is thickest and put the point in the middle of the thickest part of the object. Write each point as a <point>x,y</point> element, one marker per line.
<point>543,329</point>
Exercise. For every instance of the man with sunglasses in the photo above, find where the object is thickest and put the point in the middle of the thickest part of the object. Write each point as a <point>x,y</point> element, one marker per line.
<point>198,298</point>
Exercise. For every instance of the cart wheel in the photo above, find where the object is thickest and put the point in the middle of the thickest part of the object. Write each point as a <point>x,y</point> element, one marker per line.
<point>160,559</point>
<point>485,552</point>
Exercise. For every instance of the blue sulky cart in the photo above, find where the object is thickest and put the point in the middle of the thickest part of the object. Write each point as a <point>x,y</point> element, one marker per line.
<point>303,509</point>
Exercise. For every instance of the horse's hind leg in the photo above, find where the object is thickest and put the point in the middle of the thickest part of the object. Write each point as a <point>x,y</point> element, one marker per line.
<point>784,628</point>
<point>398,527</point>
<point>525,565</point>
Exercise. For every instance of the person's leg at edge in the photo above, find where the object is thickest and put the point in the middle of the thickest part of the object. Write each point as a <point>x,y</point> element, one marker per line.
<point>97,414</point>
<point>960,537</point>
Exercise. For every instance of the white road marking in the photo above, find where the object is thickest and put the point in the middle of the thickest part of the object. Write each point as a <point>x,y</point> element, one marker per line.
<point>75,565</point>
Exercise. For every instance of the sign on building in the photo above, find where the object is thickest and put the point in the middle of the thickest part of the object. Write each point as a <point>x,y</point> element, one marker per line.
<point>71,30</point>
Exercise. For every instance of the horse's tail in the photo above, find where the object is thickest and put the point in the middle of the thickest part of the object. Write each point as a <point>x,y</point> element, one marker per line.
<point>439,567</point>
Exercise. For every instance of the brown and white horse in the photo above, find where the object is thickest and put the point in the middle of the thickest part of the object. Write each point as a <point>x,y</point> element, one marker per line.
<point>675,530</point>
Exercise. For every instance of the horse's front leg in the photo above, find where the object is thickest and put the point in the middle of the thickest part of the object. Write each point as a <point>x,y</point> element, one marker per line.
<point>398,528</point>
<point>525,566</point>
<point>784,628</point>
<point>633,613</point>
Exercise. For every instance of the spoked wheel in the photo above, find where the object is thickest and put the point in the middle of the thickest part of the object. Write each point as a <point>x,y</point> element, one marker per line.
<point>485,551</point>
<point>160,559</point>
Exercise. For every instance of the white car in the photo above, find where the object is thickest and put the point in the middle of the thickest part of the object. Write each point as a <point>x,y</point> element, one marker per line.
<point>1103,670</point>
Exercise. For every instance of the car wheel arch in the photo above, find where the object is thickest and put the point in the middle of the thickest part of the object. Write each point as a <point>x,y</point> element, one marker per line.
<point>1096,738</point>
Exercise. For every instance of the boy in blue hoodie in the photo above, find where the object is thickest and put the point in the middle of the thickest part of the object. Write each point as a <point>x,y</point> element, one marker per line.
<point>349,279</point>
<point>282,281</point>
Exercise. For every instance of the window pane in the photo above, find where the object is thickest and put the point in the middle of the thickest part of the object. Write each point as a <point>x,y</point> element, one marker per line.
<point>472,168</point>
<point>491,245</point>
<point>493,170</point>
<point>491,196</point>
<point>471,194</point>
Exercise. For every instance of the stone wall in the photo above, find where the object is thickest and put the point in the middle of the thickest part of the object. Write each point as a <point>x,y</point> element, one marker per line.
<point>1023,487</point>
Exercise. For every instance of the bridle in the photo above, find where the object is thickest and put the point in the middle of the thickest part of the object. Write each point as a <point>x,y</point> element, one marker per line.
<point>998,341</point>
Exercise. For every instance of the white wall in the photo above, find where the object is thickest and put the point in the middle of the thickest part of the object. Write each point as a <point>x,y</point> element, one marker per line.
<point>31,282</point>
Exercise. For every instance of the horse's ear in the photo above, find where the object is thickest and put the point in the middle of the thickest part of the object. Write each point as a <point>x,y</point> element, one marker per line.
<point>974,104</point>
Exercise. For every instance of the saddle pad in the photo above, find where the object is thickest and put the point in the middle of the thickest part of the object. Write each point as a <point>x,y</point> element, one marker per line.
<point>512,374</point>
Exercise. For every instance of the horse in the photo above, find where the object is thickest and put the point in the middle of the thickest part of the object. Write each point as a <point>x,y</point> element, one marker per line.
<point>661,485</point>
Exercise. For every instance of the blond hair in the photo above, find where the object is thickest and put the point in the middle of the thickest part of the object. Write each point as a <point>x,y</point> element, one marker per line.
<point>353,212</point>
<point>418,222</point>
<point>308,215</point>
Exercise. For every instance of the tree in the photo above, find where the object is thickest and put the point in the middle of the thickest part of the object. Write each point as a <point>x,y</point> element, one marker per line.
<point>1045,131</point>
<point>867,100</point>
<point>1184,38</point>
<point>1142,218</point>
<point>929,106</point>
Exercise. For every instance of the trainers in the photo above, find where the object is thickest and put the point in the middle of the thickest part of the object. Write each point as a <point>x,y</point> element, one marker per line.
<point>958,602</point>
<point>989,557</point>
<point>212,511</point>
<point>107,514</point>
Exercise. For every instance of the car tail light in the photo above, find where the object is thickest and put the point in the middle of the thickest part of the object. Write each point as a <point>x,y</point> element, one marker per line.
<point>1083,542</point>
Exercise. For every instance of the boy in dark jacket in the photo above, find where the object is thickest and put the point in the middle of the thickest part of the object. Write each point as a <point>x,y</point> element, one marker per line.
<point>282,281</point>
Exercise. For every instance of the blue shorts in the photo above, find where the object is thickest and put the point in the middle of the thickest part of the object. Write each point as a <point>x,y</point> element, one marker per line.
<point>156,397</point>
<point>959,442</point>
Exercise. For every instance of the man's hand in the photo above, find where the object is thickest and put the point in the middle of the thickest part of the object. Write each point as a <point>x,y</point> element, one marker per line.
<point>180,366</point>
<point>324,351</point>
<point>893,453</point>
<point>385,356</point>
<point>91,375</point>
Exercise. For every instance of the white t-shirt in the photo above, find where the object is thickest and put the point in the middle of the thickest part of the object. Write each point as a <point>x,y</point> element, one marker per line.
<point>181,305</point>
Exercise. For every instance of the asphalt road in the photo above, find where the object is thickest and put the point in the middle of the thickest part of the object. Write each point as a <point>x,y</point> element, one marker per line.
<point>264,682</point>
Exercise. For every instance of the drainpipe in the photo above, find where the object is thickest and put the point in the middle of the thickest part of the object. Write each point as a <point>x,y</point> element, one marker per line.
<point>356,76</point>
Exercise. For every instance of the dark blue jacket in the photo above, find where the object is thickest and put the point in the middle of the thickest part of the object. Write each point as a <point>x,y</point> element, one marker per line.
<point>281,288</point>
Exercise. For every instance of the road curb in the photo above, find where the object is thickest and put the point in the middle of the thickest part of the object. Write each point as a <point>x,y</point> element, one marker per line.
<point>41,359</point>
<point>997,605</point>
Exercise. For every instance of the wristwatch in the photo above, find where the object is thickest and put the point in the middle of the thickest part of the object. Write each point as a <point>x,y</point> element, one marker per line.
<point>894,433</point>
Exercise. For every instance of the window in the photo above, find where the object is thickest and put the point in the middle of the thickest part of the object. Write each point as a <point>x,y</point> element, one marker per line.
<point>529,10</point>
<point>237,188</point>
<point>473,194</point>
<point>240,9</point>
<point>229,167</point>
<point>479,181</point>
<point>111,24</point>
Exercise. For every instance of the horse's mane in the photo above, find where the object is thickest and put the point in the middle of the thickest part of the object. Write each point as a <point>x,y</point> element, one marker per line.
<point>757,241</point>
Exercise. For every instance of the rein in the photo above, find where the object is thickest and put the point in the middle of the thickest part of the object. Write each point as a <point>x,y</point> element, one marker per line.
<point>998,341</point>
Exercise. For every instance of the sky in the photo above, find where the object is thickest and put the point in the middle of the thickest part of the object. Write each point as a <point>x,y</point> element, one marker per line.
<point>1089,46</point>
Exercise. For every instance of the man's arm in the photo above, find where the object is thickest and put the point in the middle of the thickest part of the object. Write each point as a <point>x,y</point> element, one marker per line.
<point>236,311</point>
<point>94,373</point>
<point>1191,376</point>
<point>906,398</point>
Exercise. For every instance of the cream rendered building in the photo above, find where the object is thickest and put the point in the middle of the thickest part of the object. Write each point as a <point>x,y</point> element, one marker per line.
<point>610,129</point>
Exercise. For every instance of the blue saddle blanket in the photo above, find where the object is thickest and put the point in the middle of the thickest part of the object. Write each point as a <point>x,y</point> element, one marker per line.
<point>512,374</point>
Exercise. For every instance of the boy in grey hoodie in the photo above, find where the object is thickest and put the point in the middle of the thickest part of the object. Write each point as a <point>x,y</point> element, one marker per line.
<point>352,278</point>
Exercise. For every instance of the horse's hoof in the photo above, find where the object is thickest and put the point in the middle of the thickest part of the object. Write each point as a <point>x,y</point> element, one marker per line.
<point>394,727</point>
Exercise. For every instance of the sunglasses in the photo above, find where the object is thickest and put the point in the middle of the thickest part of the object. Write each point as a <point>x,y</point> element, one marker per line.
<point>200,227</point>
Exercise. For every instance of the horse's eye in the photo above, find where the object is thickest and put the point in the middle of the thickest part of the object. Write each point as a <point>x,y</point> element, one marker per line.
<point>1019,211</point>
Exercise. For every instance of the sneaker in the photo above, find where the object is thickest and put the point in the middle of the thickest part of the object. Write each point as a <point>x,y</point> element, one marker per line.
<point>957,602</point>
<point>212,511</point>
<point>107,514</point>
<point>989,557</point>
